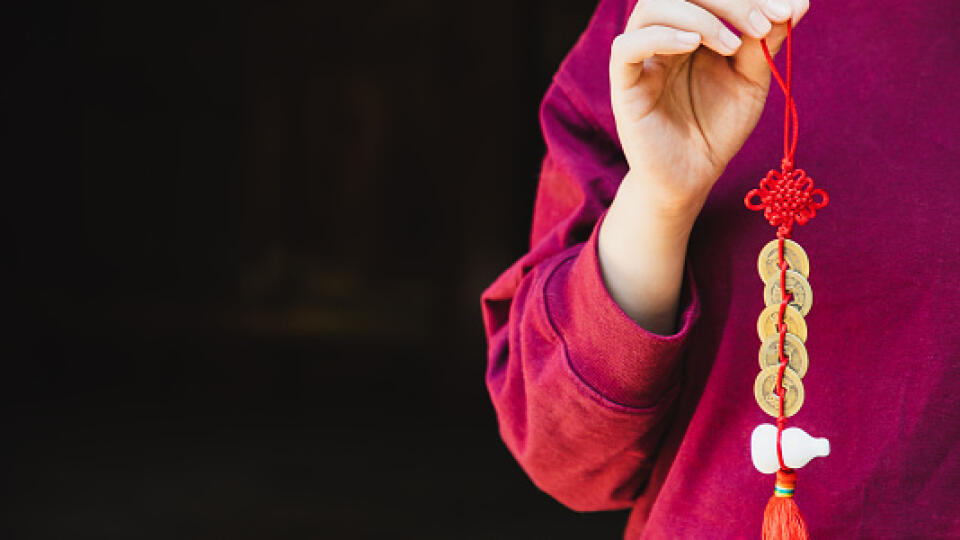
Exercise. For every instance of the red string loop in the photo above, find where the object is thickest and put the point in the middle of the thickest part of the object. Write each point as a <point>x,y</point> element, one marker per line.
<point>750,195</point>
<point>824,198</point>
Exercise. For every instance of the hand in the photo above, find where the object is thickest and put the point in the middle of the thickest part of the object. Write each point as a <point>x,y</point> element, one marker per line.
<point>683,110</point>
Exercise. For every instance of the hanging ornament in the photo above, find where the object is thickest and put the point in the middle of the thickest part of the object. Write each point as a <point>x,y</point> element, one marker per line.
<point>787,197</point>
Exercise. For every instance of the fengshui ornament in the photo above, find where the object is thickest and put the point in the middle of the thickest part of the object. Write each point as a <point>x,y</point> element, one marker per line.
<point>786,197</point>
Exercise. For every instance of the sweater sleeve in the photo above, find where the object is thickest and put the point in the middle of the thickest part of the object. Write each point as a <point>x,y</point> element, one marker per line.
<point>582,393</point>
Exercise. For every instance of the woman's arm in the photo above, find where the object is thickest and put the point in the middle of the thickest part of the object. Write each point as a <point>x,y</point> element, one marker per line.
<point>583,359</point>
<point>582,392</point>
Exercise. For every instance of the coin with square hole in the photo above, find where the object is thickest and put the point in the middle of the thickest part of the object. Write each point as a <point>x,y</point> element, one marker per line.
<point>767,322</point>
<point>797,358</point>
<point>764,390</point>
<point>797,285</point>
<point>768,263</point>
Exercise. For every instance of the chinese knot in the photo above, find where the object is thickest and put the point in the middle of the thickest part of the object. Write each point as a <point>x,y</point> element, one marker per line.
<point>786,197</point>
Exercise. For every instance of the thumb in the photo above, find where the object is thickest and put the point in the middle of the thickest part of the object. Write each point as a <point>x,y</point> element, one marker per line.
<point>749,59</point>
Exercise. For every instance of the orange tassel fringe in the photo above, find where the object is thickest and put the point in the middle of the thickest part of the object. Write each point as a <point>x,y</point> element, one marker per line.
<point>782,519</point>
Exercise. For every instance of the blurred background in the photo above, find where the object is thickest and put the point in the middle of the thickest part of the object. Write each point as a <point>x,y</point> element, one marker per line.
<point>246,243</point>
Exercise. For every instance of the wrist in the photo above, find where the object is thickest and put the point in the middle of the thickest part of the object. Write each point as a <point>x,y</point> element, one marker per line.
<point>641,248</point>
<point>667,214</point>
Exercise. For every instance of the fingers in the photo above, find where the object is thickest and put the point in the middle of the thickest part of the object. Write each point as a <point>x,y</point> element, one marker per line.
<point>754,18</point>
<point>688,16</point>
<point>630,49</point>
<point>648,32</point>
<point>749,59</point>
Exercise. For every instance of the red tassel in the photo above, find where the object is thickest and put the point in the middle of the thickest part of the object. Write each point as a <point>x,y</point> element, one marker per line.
<point>782,519</point>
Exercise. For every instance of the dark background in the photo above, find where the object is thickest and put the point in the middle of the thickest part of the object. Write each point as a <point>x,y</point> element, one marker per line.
<point>246,243</point>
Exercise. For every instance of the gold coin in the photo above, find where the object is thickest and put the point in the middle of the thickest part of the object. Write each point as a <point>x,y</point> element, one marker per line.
<point>768,264</point>
<point>793,349</point>
<point>764,389</point>
<point>802,297</point>
<point>767,323</point>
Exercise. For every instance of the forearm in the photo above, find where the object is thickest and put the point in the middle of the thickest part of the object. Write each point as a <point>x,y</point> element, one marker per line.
<point>642,246</point>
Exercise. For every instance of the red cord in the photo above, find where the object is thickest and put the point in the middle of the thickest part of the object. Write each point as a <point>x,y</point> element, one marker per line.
<point>789,148</point>
<point>786,197</point>
<point>782,329</point>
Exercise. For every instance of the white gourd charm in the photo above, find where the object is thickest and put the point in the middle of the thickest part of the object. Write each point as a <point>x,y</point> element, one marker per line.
<point>798,448</point>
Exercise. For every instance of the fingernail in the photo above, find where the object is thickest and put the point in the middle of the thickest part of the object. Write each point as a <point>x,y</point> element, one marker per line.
<point>778,8</point>
<point>729,39</point>
<point>688,37</point>
<point>759,23</point>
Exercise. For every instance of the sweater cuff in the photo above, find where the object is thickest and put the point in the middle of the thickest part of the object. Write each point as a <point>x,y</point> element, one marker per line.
<point>606,349</point>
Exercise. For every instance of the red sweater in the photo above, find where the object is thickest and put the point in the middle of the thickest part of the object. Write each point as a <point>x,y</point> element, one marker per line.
<point>604,415</point>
